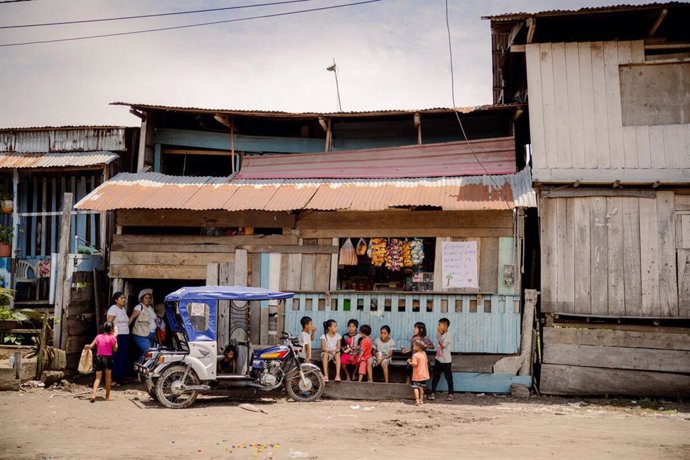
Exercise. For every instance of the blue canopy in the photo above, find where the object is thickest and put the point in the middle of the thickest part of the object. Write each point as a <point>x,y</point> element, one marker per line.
<point>226,293</point>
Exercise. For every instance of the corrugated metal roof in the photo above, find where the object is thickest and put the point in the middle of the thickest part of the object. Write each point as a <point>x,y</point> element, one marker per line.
<point>315,115</point>
<point>588,10</point>
<point>450,159</point>
<point>157,191</point>
<point>63,140</point>
<point>55,160</point>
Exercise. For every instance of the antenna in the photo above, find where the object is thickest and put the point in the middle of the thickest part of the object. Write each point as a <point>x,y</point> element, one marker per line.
<point>333,68</point>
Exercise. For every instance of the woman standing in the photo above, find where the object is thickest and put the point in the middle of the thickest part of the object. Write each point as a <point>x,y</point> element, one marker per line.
<point>143,322</point>
<point>117,315</point>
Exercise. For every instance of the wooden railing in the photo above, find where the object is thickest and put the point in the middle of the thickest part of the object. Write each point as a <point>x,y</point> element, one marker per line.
<point>479,323</point>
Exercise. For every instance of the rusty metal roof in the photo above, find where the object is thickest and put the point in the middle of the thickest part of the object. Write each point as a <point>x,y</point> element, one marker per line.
<point>316,115</point>
<point>450,159</point>
<point>582,11</point>
<point>63,139</point>
<point>158,191</point>
<point>55,160</point>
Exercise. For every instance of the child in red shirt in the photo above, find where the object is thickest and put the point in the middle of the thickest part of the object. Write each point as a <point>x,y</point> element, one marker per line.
<point>106,344</point>
<point>420,370</point>
<point>364,357</point>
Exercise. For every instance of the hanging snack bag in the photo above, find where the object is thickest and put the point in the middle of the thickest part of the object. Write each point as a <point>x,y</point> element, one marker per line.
<point>379,249</point>
<point>361,247</point>
<point>417,251</point>
<point>347,255</point>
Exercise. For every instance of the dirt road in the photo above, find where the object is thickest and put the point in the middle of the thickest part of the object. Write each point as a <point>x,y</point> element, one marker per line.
<point>61,424</point>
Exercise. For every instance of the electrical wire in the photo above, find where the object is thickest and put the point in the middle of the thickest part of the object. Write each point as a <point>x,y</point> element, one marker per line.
<point>155,15</point>
<point>14,1</point>
<point>186,26</point>
<point>457,116</point>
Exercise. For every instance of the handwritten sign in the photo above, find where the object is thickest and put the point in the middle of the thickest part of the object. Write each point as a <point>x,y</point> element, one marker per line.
<point>459,264</point>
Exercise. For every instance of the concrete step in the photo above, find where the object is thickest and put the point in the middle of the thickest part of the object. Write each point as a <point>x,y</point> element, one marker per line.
<point>368,391</point>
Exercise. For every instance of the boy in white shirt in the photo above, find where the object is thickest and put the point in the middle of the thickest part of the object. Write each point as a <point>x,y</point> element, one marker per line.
<point>384,346</point>
<point>444,359</point>
<point>306,337</point>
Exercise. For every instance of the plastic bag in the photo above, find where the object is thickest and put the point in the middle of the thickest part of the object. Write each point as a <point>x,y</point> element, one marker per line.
<point>86,362</point>
<point>347,255</point>
<point>361,247</point>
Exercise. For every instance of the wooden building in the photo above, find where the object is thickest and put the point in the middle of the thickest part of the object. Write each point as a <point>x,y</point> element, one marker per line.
<point>268,199</point>
<point>609,98</point>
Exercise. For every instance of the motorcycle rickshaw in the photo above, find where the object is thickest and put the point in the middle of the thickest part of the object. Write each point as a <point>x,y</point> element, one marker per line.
<point>188,364</point>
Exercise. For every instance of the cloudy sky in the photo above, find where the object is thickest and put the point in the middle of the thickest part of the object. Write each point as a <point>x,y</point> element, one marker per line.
<point>391,54</point>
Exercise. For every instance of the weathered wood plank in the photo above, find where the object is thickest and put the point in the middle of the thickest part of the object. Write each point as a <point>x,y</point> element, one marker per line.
<point>672,149</point>
<point>600,109</point>
<point>374,232</point>
<point>617,357</point>
<point>560,88</point>
<point>506,256</point>
<point>241,276</point>
<point>284,270</point>
<point>618,338</point>
<point>684,282</point>
<point>294,272</point>
<point>549,256</point>
<point>323,272</point>
<point>629,133</point>
<point>576,124</point>
<point>631,257</point>
<point>307,282</point>
<point>548,105</point>
<point>613,102</point>
<point>594,192</point>
<point>212,274</point>
<point>682,231</point>
<point>179,272</point>
<point>668,284</point>
<point>656,147</point>
<point>588,114</point>
<point>574,380</point>
<point>261,240</point>
<point>566,255</point>
<point>211,218</point>
<point>333,282</point>
<point>403,219</point>
<point>582,265</point>
<point>682,202</point>
<point>488,270</point>
<point>599,257</point>
<point>644,155</point>
<point>536,119</point>
<point>168,258</point>
<point>649,244</point>
<point>616,270</point>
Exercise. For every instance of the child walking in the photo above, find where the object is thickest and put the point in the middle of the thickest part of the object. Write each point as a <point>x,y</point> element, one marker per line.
<point>418,333</point>
<point>444,360</point>
<point>330,348</point>
<point>420,371</point>
<point>364,357</point>
<point>305,338</point>
<point>349,349</point>
<point>106,344</point>
<point>384,346</point>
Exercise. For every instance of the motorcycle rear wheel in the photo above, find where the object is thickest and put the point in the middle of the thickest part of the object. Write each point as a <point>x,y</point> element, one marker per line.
<point>166,391</point>
<point>307,390</point>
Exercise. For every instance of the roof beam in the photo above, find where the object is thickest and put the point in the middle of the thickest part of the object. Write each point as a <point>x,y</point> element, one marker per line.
<point>662,15</point>
<point>531,27</point>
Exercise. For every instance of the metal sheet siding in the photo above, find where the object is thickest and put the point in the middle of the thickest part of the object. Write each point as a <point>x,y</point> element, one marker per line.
<point>157,191</point>
<point>85,139</point>
<point>55,160</point>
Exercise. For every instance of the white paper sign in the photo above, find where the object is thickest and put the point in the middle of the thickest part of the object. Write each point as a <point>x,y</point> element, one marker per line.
<point>197,309</point>
<point>459,264</point>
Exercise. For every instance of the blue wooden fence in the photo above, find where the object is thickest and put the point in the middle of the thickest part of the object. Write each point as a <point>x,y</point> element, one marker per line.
<point>479,324</point>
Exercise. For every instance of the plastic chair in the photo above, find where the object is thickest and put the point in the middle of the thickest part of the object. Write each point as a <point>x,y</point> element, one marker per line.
<point>21,275</point>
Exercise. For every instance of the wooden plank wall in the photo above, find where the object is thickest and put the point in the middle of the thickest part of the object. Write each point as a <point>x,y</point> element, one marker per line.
<point>607,361</point>
<point>576,125</point>
<point>614,256</point>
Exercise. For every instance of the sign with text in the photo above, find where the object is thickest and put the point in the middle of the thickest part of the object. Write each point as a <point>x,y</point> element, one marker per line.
<point>459,264</point>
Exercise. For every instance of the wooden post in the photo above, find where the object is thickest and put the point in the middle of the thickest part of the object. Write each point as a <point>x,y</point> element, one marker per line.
<point>18,364</point>
<point>97,298</point>
<point>141,156</point>
<point>42,345</point>
<point>527,326</point>
<point>62,282</point>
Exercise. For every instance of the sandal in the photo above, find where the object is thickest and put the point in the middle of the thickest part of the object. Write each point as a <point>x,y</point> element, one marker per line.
<point>337,379</point>
<point>93,400</point>
<point>431,397</point>
<point>325,379</point>
<point>450,397</point>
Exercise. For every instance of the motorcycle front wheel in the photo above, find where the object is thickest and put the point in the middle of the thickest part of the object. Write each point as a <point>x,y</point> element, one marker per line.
<point>307,389</point>
<point>168,391</point>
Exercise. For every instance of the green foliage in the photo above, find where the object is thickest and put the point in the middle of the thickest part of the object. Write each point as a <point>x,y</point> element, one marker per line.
<point>6,234</point>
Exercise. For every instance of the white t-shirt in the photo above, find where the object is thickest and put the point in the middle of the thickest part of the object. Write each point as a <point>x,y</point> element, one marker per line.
<point>444,356</point>
<point>331,341</point>
<point>384,347</point>
<point>121,321</point>
<point>304,339</point>
<point>152,316</point>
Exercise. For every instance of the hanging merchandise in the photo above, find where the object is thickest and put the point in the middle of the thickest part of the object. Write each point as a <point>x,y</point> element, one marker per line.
<point>379,248</point>
<point>361,247</point>
<point>347,255</point>
<point>407,255</point>
<point>394,258</point>
<point>417,251</point>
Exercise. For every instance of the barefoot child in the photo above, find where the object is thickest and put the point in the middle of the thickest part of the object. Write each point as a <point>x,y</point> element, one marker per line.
<point>106,344</point>
<point>364,356</point>
<point>305,337</point>
<point>349,349</point>
<point>330,348</point>
<point>384,346</point>
<point>418,333</point>
<point>420,371</point>
<point>443,359</point>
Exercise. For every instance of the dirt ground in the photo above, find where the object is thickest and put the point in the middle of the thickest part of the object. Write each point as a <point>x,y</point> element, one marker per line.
<point>62,424</point>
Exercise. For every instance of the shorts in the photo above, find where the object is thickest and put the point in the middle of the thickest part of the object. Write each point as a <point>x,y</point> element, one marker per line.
<point>384,362</point>
<point>331,354</point>
<point>418,384</point>
<point>363,366</point>
<point>102,363</point>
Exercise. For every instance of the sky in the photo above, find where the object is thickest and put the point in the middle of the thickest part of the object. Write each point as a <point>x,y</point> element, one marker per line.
<point>392,54</point>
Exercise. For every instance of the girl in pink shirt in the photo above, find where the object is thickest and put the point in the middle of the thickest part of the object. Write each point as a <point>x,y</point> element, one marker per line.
<point>106,344</point>
<point>420,370</point>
